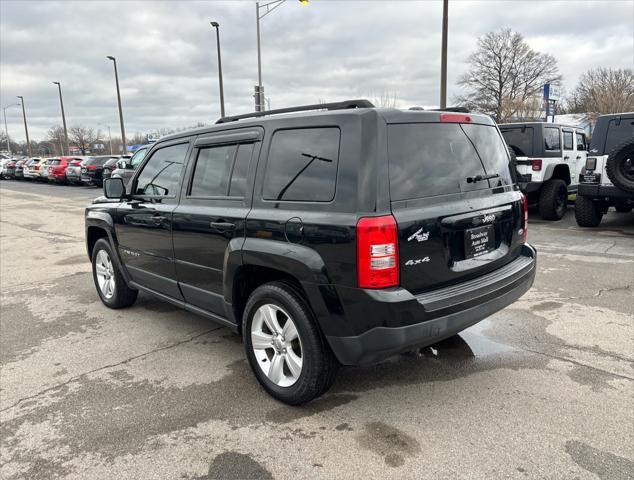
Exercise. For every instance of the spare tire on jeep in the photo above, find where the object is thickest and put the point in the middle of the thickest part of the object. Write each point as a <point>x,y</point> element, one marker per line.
<point>620,166</point>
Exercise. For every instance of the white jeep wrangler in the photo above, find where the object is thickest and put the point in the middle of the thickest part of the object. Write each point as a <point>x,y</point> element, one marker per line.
<point>608,177</point>
<point>550,158</point>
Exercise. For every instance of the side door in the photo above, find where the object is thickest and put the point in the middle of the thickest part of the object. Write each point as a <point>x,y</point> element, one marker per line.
<point>209,222</point>
<point>570,155</point>
<point>144,223</point>
<point>581,154</point>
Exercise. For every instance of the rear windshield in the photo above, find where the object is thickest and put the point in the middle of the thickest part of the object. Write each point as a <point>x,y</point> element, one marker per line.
<point>617,134</point>
<point>96,160</point>
<point>55,161</point>
<point>429,159</point>
<point>520,139</point>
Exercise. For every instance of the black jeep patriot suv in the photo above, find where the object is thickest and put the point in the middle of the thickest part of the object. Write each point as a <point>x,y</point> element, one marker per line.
<point>341,235</point>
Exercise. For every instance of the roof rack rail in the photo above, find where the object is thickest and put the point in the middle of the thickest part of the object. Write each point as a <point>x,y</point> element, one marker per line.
<point>360,103</point>
<point>453,109</point>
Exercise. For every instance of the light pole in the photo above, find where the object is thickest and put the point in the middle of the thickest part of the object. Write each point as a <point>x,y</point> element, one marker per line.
<point>61,102</point>
<point>216,25</point>
<point>109,136</point>
<point>443,55</point>
<point>267,8</point>
<point>6,129</point>
<point>116,77</point>
<point>26,129</point>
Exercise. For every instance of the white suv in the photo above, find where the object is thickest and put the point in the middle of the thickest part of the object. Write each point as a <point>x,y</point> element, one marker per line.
<point>550,158</point>
<point>608,177</point>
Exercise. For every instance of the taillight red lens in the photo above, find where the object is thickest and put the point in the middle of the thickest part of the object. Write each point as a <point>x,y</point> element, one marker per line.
<point>91,167</point>
<point>525,216</point>
<point>536,165</point>
<point>455,118</point>
<point>377,252</point>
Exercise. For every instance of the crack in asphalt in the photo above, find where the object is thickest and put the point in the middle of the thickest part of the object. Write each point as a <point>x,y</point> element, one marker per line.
<point>105,367</point>
<point>44,232</point>
<point>575,362</point>
<point>610,247</point>
<point>611,289</point>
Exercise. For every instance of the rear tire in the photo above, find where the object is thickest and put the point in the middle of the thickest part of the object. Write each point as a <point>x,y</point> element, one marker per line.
<point>620,166</point>
<point>588,213</point>
<point>316,374</point>
<point>109,282</point>
<point>553,199</point>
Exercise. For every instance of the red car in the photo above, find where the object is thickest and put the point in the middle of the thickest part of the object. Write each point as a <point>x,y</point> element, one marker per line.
<point>57,168</point>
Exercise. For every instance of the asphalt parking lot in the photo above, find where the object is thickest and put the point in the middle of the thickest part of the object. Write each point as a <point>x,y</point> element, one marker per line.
<point>542,389</point>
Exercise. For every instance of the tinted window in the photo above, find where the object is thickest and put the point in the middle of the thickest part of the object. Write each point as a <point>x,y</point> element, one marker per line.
<point>213,168</point>
<point>431,159</point>
<point>568,141</point>
<point>162,171</point>
<point>551,139</point>
<point>138,157</point>
<point>617,134</point>
<point>238,184</point>
<point>520,140</point>
<point>581,141</point>
<point>492,151</point>
<point>302,165</point>
<point>55,161</point>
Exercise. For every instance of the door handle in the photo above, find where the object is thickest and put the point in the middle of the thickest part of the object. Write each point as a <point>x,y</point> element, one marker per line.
<point>566,157</point>
<point>158,219</point>
<point>578,157</point>
<point>222,226</point>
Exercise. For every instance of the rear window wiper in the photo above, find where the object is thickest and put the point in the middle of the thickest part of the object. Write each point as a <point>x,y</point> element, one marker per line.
<point>478,178</point>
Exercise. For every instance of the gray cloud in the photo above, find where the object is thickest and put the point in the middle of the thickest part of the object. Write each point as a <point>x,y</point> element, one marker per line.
<point>327,50</point>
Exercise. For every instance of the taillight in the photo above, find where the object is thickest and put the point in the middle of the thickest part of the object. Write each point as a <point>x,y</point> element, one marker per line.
<point>91,167</point>
<point>536,165</point>
<point>377,252</point>
<point>455,118</point>
<point>525,216</point>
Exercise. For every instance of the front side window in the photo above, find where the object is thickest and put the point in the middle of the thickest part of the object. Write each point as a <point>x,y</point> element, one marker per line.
<point>551,139</point>
<point>161,173</point>
<point>581,141</point>
<point>302,165</point>
<point>212,171</point>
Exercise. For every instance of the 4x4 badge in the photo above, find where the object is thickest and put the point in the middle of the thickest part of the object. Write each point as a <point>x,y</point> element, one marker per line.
<point>419,235</point>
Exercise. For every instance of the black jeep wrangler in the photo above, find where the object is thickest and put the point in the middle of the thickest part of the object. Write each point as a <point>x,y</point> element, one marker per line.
<point>336,234</point>
<point>608,177</point>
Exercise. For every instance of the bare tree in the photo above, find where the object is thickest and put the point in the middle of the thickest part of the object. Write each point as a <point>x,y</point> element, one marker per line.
<point>602,90</point>
<point>83,137</point>
<point>55,136</point>
<point>505,74</point>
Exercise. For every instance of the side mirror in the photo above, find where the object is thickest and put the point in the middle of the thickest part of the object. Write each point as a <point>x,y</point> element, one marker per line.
<point>114,188</point>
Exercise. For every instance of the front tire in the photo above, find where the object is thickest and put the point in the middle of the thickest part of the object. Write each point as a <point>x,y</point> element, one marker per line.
<point>111,286</point>
<point>286,351</point>
<point>587,212</point>
<point>553,199</point>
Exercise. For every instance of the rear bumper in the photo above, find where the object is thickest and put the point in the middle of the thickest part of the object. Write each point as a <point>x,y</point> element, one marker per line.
<point>443,312</point>
<point>529,187</point>
<point>602,191</point>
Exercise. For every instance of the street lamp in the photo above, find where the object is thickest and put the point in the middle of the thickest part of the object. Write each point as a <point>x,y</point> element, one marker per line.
<point>116,77</point>
<point>6,129</point>
<point>216,25</point>
<point>443,55</point>
<point>61,102</point>
<point>267,8</point>
<point>26,129</point>
<point>109,135</point>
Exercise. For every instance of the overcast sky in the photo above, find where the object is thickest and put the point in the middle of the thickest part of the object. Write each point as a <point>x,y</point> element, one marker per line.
<point>329,50</point>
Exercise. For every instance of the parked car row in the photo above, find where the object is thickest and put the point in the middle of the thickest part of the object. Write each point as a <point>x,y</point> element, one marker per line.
<point>71,170</point>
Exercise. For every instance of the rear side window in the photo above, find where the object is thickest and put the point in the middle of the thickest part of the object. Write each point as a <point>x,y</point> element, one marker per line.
<point>520,139</point>
<point>551,139</point>
<point>568,141</point>
<point>302,165</point>
<point>429,159</point>
<point>238,182</point>
<point>161,173</point>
